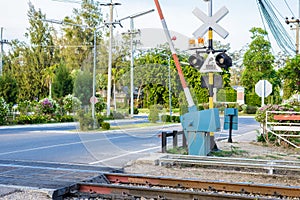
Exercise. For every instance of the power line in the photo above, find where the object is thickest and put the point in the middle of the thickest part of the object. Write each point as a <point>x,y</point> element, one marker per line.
<point>289,8</point>
<point>280,34</point>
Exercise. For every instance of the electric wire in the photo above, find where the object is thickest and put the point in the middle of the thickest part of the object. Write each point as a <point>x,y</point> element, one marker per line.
<point>279,33</point>
<point>264,24</point>
<point>289,8</point>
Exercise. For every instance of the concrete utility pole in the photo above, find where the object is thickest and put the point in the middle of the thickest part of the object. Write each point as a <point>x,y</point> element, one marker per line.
<point>132,33</point>
<point>111,26</point>
<point>2,42</point>
<point>296,22</point>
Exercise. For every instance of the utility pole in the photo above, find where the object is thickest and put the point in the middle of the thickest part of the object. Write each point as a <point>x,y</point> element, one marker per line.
<point>2,42</point>
<point>297,27</point>
<point>111,26</point>
<point>132,33</point>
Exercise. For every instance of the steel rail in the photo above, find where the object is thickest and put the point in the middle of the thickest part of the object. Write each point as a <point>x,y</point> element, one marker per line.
<point>147,186</point>
<point>123,192</point>
<point>269,165</point>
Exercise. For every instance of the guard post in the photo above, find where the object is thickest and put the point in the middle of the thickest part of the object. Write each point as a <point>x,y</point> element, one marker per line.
<point>230,121</point>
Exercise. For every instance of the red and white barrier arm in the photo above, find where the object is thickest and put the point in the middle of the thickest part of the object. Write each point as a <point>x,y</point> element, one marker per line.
<point>175,57</point>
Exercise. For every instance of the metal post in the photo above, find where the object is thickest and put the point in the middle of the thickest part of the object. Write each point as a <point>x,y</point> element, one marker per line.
<point>170,89</point>
<point>164,142</point>
<point>131,68</point>
<point>175,139</point>
<point>94,80</point>
<point>213,145</point>
<point>230,128</point>
<point>109,59</point>
<point>1,50</point>
<point>263,93</point>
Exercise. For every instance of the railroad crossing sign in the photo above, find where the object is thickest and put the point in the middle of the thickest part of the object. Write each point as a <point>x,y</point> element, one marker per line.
<point>210,22</point>
<point>210,65</point>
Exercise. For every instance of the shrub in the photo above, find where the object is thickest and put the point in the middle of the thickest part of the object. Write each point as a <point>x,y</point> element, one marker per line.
<point>24,119</point>
<point>4,110</point>
<point>71,103</point>
<point>176,118</point>
<point>64,118</point>
<point>154,113</point>
<point>166,118</point>
<point>100,105</point>
<point>47,106</point>
<point>25,107</point>
<point>100,118</point>
<point>117,115</point>
<point>135,110</point>
<point>85,120</point>
<point>251,109</point>
<point>105,125</point>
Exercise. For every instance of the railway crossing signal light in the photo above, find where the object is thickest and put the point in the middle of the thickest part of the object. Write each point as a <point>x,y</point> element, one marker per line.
<point>223,60</point>
<point>196,61</point>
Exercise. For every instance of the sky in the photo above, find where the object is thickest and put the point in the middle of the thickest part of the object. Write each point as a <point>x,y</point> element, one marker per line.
<point>242,16</point>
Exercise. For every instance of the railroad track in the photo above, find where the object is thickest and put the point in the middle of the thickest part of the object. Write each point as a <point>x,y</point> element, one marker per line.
<point>124,186</point>
<point>254,165</point>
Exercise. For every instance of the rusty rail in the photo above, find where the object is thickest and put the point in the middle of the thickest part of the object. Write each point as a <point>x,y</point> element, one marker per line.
<point>127,186</point>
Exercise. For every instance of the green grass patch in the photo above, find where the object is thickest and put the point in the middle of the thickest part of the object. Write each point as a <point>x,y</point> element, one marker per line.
<point>228,153</point>
<point>273,157</point>
<point>178,150</point>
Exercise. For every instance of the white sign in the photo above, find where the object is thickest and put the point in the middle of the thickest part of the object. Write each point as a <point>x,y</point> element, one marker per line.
<point>210,65</point>
<point>210,22</point>
<point>263,88</point>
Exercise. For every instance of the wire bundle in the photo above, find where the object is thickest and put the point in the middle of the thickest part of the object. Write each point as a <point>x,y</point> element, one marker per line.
<point>278,31</point>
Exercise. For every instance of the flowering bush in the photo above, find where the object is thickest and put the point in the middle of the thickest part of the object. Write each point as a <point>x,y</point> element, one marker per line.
<point>261,112</point>
<point>47,106</point>
<point>71,103</point>
<point>4,110</point>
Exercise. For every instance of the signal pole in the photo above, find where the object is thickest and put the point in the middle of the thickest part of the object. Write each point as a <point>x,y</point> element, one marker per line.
<point>213,145</point>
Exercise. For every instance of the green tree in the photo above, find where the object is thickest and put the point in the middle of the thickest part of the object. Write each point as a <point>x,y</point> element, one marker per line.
<point>83,87</point>
<point>28,63</point>
<point>258,61</point>
<point>79,40</point>
<point>291,77</point>
<point>63,82</point>
<point>48,75</point>
<point>8,88</point>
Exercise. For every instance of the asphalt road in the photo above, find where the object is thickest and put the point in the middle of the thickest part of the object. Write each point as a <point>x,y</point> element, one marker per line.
<point>63,143</point>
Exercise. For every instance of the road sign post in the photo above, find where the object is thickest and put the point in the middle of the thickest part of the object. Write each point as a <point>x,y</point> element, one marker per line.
<point>263,88</point>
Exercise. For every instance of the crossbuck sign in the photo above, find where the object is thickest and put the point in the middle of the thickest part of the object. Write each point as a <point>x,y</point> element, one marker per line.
<point>210,22</point>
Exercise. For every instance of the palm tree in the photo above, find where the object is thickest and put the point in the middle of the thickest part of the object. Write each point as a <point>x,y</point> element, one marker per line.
<point>49,74</point>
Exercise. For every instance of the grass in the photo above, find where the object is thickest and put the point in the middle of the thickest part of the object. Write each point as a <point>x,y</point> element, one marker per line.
<point>178,150</point>
<point>234,151</point>
<point>273,157</point>
<point>141,125</point>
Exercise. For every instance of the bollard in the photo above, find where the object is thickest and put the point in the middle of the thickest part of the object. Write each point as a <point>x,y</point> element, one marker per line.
<point>163,142</point>
<point>175,138</point>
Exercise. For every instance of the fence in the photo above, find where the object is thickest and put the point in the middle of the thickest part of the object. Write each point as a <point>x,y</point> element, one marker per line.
<point>285,125</point>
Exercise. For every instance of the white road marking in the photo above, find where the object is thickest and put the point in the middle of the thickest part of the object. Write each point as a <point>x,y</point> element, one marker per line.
<point>57,145</point>
<point>123,155</point>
